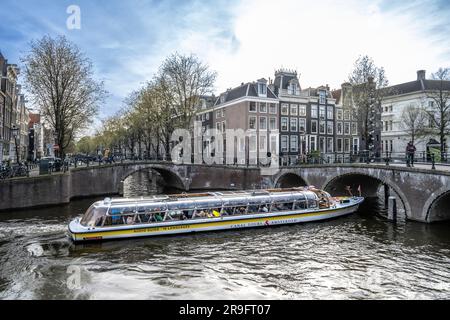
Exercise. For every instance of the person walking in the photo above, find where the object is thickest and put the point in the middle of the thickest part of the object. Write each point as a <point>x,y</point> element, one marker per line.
<point>410,151</point>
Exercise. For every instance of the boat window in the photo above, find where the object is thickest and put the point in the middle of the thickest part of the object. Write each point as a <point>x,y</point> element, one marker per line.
<point>94,216</point>
<point>301,205</point>
<point>264,208</point>
<point>282,206</point>
<point>122,210</point>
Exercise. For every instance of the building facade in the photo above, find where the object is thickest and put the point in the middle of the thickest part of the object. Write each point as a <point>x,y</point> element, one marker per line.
<point>395,133</point>
<point>251,112</point>
<point>307,120</point>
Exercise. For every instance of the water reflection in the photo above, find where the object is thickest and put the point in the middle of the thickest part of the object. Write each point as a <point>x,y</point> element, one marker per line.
<point>357,257</point>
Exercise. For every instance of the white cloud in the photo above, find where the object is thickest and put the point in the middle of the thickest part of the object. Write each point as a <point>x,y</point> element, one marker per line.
<point>321,39</point>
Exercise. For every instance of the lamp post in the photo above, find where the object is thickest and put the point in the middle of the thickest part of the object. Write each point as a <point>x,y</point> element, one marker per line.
<point>15,133</point>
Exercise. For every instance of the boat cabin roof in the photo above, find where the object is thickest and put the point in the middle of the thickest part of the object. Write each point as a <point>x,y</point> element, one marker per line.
<point>211,199</point>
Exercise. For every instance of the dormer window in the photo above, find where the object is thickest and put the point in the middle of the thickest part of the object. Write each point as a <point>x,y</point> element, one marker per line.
<point>222,99</point>
<point>322,97</point>
<point>293,88</point>
<point>262,87</point>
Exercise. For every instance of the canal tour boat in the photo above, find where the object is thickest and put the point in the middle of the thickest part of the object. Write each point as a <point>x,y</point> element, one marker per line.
<point>187,213</point>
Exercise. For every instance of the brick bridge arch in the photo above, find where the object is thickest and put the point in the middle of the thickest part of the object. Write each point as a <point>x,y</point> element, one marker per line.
<point>370,184</point>
<point>172,177</point>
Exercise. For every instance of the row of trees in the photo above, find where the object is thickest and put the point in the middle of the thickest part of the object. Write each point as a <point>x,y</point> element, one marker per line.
<point>167,102</point>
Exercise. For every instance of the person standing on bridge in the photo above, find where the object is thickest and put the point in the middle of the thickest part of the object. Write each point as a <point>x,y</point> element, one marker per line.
<point>410,151</point>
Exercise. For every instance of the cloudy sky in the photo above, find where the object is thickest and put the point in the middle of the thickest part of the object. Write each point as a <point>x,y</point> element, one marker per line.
<point>242,40</point>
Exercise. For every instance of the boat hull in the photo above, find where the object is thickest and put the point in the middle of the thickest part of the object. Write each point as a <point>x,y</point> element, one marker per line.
<point>208,225</point>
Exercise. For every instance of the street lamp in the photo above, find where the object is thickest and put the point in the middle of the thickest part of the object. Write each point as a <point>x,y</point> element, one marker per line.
<point>15,133</point>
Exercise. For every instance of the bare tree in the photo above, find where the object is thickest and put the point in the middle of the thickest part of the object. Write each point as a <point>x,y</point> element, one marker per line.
<point>188,78</point>
<point>439,110</point>
<point>60,80</point>
<point>367,82</point>
<point>414,121</point>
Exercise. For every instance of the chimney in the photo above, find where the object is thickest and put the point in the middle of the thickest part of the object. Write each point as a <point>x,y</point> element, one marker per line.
<point>421,75</point>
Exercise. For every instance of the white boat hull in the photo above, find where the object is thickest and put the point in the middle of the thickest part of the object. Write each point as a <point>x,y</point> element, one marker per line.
<point>82,234</point>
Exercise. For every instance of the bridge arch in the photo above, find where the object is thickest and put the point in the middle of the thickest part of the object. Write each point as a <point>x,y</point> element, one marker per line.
<point>290,180</point>
<point>171,177</point>
<point>370,185</point>
<point>437,208</point>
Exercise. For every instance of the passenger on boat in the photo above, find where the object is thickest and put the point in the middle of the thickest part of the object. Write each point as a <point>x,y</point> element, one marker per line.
<point>264,209</point>
<point>158,217</point>
<point>216,213</point>
<point>130,220</point>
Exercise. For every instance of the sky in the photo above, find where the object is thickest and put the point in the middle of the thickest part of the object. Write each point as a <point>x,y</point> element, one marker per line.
<point>242,40</point>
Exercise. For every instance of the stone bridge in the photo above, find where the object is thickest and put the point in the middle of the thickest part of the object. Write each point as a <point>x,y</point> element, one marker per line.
<point>424,193</point>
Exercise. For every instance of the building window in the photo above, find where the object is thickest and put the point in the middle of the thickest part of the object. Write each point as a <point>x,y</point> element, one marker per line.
<point>355,146</point>
<point>262,89</point>
<point>354,129</point>
<point>272,108</point>
<point>284,143</point>
<point>294,110</point>
<point>330,113</point>
<point>284,124</point>
<point>314,126</point>
<point>346,145</point>
<point>284,109</point>
<point>302,125</point>
<point>302,111</point>
<point>312,143</point>
<point>339,114</point>
<point>273,123</point>
<point>430,104</point>
<point>207,116</point>
<point>330,145</point>
<point>339,144</point>
<point>330,126</point>
<point>252,107</point>
<point>322,127</point>
<point>252,123</point>
<point>224,126</point>
<point>322,97</point>
<point>322,112</point>
<point>294,143</point>
<point>314,111</point>
<point>218,126</point>
<point>294,124</point>
<point>263,107</point>
<point>347,128</point>
<point>263,143</point>
<point>339,128</point>
<point>322,144</point>
<point>262,123</point>
<point>347,115</point>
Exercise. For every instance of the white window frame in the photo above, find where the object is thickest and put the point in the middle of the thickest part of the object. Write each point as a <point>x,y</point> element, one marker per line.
<point>302,110</point>
<point>284,149</point>
<point>341,124</point>
<point>324,131</point>
<point>303,121</point>
<point>274,105</point>
<point>293,144</point>
<point>256,122</point>
<point>274,121</point>
<point>287,124</point>
<point>250,107</point>
<point>330,125</point>
<point>286,107</point>
<point>291,121</point>
<point>314,111</point>
<point>317,126</point>
<point>260,107</point>
<point>293,107</point>
<point>265,121</point>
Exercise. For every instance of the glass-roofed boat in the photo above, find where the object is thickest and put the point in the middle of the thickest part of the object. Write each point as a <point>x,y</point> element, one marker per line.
<point>187,213</point>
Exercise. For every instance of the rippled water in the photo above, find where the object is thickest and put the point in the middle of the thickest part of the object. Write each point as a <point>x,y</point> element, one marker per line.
<point>356,257</point>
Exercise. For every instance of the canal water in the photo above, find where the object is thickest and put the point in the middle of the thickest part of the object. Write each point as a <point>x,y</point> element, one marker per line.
<point>357,257</point>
